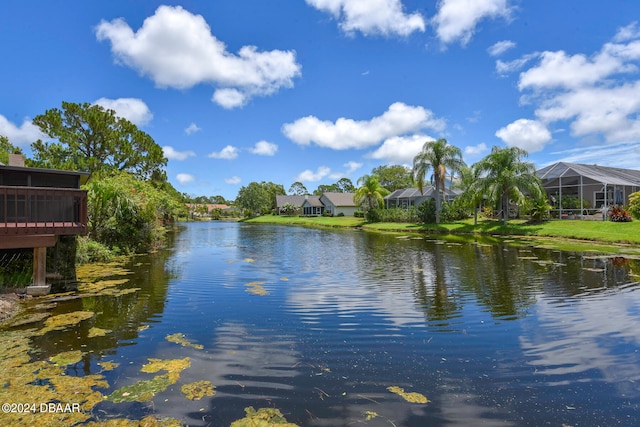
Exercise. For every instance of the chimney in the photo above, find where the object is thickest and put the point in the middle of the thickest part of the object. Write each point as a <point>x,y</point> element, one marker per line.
<point>16,160</point>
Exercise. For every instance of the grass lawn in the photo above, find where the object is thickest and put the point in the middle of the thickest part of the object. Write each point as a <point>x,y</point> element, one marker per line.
<point>576,235</point>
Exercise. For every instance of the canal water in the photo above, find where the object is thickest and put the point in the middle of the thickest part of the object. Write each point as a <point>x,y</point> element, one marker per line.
<point>321,323</point>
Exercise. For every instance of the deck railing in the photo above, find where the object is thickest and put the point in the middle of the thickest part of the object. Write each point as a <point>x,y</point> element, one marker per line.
<point>38,210</point>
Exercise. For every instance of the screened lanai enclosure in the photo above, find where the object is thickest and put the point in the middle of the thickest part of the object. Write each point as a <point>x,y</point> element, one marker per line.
<point>587,191</point>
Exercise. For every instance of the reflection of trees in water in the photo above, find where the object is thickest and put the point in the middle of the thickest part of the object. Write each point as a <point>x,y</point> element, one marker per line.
<point>122,315</point>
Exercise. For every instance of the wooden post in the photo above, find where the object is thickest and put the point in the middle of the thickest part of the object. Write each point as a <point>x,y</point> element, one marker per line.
<point>39,286</point>
<point>39,266</point>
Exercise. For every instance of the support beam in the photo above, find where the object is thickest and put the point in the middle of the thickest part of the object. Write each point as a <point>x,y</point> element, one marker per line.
<point>39,286</point>
<point>28,241</point>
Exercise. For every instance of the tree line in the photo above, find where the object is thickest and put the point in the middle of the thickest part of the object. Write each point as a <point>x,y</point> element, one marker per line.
<point>130,202</point>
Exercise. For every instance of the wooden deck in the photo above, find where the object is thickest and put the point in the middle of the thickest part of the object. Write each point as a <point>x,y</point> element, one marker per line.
<point>37,211</point>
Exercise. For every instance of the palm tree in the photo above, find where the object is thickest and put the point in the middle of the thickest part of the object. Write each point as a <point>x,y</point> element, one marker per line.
<point>504,176</point>
<point>437,155</point>
<point>370,191</point>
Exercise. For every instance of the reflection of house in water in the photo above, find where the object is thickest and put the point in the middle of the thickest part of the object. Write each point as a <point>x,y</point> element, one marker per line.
<point>592,186</point>
<point>40,209</point>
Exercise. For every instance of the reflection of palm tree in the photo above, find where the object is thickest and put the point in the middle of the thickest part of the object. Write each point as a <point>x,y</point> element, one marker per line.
<point>505,177</point>
<point>436,155</point>
<point>370,191</point>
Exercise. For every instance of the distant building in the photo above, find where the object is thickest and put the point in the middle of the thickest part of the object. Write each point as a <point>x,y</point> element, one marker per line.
<point>407,197</point>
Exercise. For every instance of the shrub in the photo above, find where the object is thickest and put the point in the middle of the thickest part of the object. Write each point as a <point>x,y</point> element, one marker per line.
<point>619,214</point>
<point>340,214</point>
<point>427,212</point>
<point>358,214</point>
<point>455,210</point>
<point>129,213</point>
<point>327,214</point>
<point>91,251</point>
<point>634,204</point>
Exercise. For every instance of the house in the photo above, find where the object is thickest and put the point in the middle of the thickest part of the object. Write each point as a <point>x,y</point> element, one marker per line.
<point>39,208</point>
<point>330,202</point>
<point>407,197</point>
<point>594,186</point>
<point>339,203</point>
<point>282,200</point>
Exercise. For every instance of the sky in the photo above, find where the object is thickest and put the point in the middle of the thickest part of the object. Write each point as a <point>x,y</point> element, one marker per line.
<point>317,90</point>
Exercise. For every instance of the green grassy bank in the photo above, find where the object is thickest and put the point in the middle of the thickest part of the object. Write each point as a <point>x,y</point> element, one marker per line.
<point>574,235</point>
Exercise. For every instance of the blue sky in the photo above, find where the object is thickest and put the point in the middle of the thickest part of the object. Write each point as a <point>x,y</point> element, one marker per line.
<point>315,90</point>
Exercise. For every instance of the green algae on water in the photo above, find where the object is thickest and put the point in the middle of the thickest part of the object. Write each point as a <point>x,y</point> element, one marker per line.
<point>63,321</point>
<point>263,417</point>
<point>145,390</point>
<point>98,332</point>
<point>179,338</point>
<point>256,288</point>
<point>409,397</point>
<point>67,358</point>
<point>198,390</point>
<point>108,366</point>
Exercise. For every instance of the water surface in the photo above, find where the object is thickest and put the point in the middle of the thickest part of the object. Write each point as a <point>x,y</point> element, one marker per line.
<point>490,334</point>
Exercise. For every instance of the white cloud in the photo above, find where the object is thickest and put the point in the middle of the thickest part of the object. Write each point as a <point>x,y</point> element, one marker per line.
<point>345,133</point>
<point>610,111</point>
<point>132,109</point>
<point>597,94</point>
<point>506,67</point>
<point>627,33</point>
<point>352,166</point>
<point>234,180</point>
<point>311,176</point>
<point>400,149</point>
<point>264,148</point>
<point>229,152</point>
<point>456,20</point>
<point>171,154</point>
<point>191,129</point>
<point>530,135</point>
<point>185,178</point>
<point>175,48</point>
<point>475,150</point>
<point>371,17</point>
<point>620,155</point>
<point>501,47</point>
<point>21,135</point>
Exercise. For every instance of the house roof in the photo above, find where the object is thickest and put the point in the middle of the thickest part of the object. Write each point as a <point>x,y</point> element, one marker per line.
<point>414,193</point>
<point>294,200</point>
<point>601,174</point>
<point>340,199</point>
<point>312,201</point>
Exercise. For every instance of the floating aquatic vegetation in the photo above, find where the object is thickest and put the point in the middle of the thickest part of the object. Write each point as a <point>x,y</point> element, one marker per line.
<point>198,390</point>
<point>179,338</point>
<point>284,279</point>
<point>248,260</point>
<point>172,366</point>
<point>33,318</point>
<point>141,391</point>
<point>47,306</point>
<point>98,332</point>
<point>143,328</point>
<point>263,417</point>
<point>90,272</point>
<point>150,421</point>
<point>409,397</point>
<point>527,257</point>
<point>63,321</point>
<point>369,415</point>
<point>108,366</point>
<point>43,382</point>
<point>256,288</point>
<point>595,270</point>
<point>67,358</point>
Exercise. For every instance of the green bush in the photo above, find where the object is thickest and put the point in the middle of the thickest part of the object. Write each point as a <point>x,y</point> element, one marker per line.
<point>130,214</point>
<point>393,215</point>
<point>455,210</point>
<point>89,251</point>
<point>358,214</point>
<point>634,204</point>
<point>340,214</point>
<point>427,212</point>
